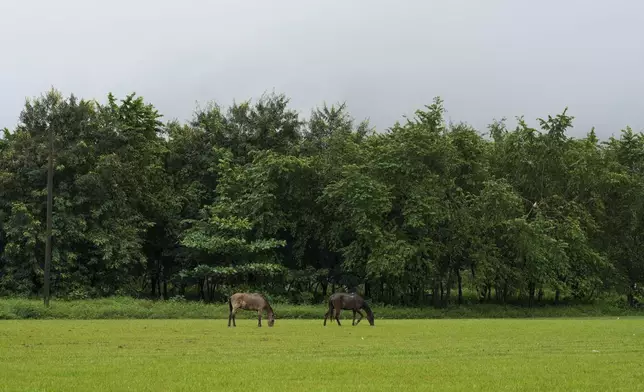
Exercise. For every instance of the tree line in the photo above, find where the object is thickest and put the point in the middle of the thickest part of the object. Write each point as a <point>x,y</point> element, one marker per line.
<point>255,196</point>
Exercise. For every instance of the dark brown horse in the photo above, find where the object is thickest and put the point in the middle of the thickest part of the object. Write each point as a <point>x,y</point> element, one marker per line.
<point>250,301</point>
<point>343,301</point>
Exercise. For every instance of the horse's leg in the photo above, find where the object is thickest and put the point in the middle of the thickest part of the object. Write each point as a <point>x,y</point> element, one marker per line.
<point>361,316</point>
<point>234,312</point>
<point>328,314</point>
<point>353,322</point>
<point>259,318</point>
<point>337,316</point>
<point>230,317</point>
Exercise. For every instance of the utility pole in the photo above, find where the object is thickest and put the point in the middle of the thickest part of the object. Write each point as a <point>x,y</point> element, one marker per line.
<point>50,202</point>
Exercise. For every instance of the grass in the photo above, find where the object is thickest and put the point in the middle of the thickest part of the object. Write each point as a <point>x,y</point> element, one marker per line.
<point>128,308</point>
<point>301,355</point>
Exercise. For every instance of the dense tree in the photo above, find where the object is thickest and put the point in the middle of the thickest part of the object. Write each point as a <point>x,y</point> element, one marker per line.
<point>255,196</point>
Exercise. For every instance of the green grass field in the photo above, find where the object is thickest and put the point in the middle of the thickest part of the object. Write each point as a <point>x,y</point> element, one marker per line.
<point>301,355</point>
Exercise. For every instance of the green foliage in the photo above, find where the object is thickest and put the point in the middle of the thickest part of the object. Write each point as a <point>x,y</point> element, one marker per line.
<point>236,275</point>
<point>256,197</point>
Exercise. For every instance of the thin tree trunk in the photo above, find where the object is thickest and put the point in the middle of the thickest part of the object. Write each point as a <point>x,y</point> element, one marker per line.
<point>202,294</point>
<point>460,286</point>
<point>436,295</point>
<point>557,293</point>
<point>421,294</point>
<point>153,284</point>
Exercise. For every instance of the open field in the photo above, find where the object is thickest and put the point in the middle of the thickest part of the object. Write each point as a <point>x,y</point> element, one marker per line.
<point>300,355</point>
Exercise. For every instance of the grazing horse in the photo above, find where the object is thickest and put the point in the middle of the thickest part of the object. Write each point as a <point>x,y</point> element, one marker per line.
<point>250,301</point>
<point>344,301</point>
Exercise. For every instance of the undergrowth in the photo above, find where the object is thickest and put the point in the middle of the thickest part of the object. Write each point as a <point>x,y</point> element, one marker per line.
<point>129,308</point>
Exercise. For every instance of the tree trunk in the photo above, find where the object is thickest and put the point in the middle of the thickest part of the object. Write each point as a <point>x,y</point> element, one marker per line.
<point>557,293</point>
<point>540,295</point>
<point>202,295</point>
<point>435,295</point>
<point>165,289</point>
<point>531,290</point>
<point>421,294</point>
<point>448,289</point>
<point>460,286</point>
<point>153,284</point>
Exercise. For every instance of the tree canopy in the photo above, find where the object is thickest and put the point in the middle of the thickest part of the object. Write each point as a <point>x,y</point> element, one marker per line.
<point>257,196</point>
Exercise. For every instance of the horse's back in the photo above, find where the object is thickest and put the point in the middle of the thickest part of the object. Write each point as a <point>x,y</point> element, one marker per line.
<point>248,301</point>
<point>345,300</point>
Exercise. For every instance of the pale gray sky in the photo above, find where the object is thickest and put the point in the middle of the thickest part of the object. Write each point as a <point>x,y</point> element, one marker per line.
<point>487,59</point>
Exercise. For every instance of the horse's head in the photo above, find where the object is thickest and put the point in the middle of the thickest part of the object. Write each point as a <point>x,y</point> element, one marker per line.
<point>271,319</point>
<point>370,317</point>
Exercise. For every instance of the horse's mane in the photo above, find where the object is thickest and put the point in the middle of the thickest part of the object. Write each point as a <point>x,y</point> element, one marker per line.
<point>265,299</point>
<point>260,295</point>
<point>366,307</point>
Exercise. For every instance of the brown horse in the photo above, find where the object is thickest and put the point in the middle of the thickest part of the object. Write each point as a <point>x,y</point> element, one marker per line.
<point>344,301</point>
<point>250,301</point>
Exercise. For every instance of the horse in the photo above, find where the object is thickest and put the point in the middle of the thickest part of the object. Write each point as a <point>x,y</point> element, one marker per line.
<point>250,301</point>
<point>344,301</point>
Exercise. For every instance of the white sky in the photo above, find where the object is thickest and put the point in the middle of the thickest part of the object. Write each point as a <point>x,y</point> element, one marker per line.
<point>487,59</point>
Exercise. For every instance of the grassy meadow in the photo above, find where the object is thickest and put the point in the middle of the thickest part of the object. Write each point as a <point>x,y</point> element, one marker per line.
<point>588,354</point>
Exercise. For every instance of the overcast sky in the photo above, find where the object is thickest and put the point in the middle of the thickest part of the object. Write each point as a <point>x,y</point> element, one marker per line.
<point>487,59</point>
